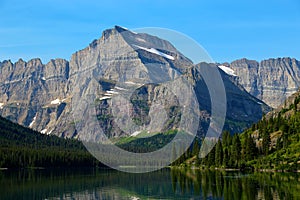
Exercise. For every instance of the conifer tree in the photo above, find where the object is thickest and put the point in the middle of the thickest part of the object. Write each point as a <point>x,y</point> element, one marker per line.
<point>196,148</point>
<point>266,142</point>
<point>249,148</point>
<point>226,138</point>
<point>225,158</point>
<point>211,157</point>
<point>236,149</point>
<point>219,154</point>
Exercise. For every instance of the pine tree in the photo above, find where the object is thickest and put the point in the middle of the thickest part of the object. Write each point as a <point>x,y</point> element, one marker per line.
<point>219,154</point>
<point>285,140</point>
<point>250,149</point>
<point>211,157</point>
<point>236,149</point>
<point>196,148</point>
<point>278,121</point>
<point>266,142</point>
<point>174,155</point>
<point>225,158</point>
<point>226,138</point>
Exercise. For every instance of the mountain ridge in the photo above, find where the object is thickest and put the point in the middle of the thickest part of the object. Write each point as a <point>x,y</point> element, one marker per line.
<point>43,99</point>
<point>271,80</point>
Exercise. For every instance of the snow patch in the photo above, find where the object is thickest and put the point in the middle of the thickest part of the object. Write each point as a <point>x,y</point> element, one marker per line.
<point>105,97</point>
<point>43,78</point>
<point>135,133</point>
<point>141,39</point>
<point>108,94</point>
<point>57,101</point>
<point>124,28</point>
<point>13,81</point>
<point>131,83</point>
<point>44,131</point>
<point>155,51</point>
<point>112,92</point>
<point>1,105</point>
<point>128,29</point>
<point>227,70</point>
<point>119,88</point>
<point>33,121</point>
<point>49,132</point>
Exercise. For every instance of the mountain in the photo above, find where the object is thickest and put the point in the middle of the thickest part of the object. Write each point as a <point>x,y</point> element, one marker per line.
<point>242,108</point>
<point>41,96</point>
<point>33,94</point>
<point>271,80</point>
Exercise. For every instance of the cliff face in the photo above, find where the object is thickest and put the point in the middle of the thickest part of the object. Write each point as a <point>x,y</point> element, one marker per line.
<point>41,96</point>
<point>271,80</point>
<point>33,94</point>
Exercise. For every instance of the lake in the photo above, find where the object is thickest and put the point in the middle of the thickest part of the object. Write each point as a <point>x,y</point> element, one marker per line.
<point>162,184</point>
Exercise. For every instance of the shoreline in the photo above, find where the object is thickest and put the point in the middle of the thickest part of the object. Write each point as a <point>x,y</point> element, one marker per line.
<point>168,167</point>
<point>235,170</point>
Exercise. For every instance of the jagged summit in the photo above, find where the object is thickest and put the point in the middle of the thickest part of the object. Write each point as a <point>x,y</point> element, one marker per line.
<point>142,41</point>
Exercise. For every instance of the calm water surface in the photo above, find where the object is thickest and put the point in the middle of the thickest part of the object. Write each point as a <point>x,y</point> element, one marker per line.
<point>163,184</point>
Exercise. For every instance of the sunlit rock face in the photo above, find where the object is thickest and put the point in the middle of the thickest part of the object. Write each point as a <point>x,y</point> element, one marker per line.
<point>271,80</point>
<point>40,95</point>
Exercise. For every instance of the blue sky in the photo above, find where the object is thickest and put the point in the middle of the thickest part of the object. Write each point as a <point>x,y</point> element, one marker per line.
<point>228,29</point>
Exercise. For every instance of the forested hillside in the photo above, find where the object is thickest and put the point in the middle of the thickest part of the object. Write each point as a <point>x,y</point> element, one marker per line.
<point>22,147</point>
<point>272,143</point>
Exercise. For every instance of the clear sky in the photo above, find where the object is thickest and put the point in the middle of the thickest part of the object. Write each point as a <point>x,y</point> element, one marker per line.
<point>227,29</point>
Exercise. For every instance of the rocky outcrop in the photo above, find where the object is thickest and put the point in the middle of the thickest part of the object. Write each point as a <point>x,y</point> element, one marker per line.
<point>41,96</point>
<point>271,80</point>
<point>288,108</point>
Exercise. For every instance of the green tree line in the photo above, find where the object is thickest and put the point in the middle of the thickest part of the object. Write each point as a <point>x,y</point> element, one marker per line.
<point>271,143</point>
<point>22,147</point>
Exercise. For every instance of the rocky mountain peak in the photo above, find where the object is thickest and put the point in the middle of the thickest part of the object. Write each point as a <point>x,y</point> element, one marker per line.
<point>20,61</point>
<point>35,61</point>
<point>243,61</point>
<point>40,95</point>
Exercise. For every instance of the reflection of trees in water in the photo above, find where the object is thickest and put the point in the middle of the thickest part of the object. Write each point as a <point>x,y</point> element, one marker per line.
<point>162,184</point>
<point>235,185</point>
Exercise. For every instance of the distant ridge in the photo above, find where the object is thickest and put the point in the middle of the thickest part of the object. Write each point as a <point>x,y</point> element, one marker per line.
<point>271,80</point>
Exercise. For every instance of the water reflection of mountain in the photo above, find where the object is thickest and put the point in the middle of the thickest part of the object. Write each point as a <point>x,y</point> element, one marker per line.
<point>164,184</point>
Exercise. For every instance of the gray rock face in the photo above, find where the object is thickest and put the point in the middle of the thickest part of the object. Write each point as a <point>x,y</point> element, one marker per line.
<point>32,94</point>
<point>242,108</point>
<point>40,96</point>
<point>271,80</point>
